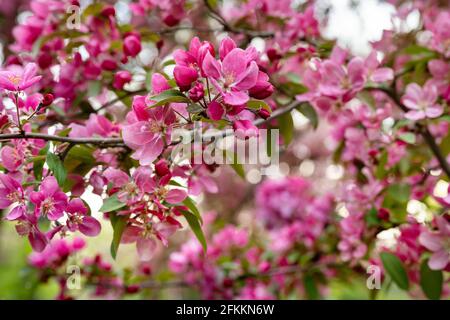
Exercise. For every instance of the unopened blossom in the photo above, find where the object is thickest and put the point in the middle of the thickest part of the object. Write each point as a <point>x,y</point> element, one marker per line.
<point>121,78</point>
<point>132,45</point>
<point>18,78</point>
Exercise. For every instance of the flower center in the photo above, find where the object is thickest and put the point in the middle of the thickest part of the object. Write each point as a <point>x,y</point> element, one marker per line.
<point>47,206</point>
<point>154,127</point>
<point>14,196</point>
<point>229,79</point>
<point>15,79</point>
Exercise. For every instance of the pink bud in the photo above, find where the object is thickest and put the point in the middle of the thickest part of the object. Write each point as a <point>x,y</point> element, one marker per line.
<point>197,92</point>
<point>263,113</point>
<point>184,76</point>
<point>121,78</point>
<point>132,45</point>
<point>44,60</point>
<point>48,100</point>
<point>162,168</point>
<point>109,65</point>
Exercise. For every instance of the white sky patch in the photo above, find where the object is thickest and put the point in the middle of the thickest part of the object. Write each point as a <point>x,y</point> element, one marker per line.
<point>355,27</point>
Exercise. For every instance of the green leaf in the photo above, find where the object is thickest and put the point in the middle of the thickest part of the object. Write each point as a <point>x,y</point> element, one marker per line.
<point>118,224</point>
<point>371,217</point>
<point>286,126</point>
<point>188,202</point>
<point>111,204</point>
<point>57,167</point>
<point>312,293</point>
<point>309,112</point>
<point>194,108</point>
<point>258,104</point>
<point>431,281</point>
<point>395,269</point>
<point>39,164</point>
<point>195,227</point>
<point>399,191</point>
<point>408,137</point>
<point>168,96</point>
<point>234,163</point>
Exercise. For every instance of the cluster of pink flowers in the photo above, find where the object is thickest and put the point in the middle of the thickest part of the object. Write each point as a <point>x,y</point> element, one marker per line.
<point>50,203</point>
<point>92,108</point>
<point>332,82</point>
<point>96,275</point>
<point>216,279</point>
<point>230,82</point>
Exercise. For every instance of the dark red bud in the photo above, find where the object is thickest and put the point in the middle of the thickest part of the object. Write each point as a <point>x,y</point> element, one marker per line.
<point>44,60</point>
<point>109,11</point>
<point>263,113</point>
<point>383,214</point>
<point>162,168</point>
<point>132,288</point>
<point>48,100</point>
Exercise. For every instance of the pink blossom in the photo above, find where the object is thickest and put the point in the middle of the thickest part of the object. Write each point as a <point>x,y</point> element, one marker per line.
<point>18,78</point>
<point>438,243</point>
<point>79,220</point>
<point>235,74</point>
<point>145,236</point>
<point>50,201</point>
<point>421,102</point>
<point>11,193</point>
<point>375,73</point>
<point>148,127</point>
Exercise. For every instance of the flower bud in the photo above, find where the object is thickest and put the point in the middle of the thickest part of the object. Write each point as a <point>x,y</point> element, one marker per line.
<point>197,92</point>
<point>48,100</point>
<point>162,168</point>
<point>263,113</point>
<point>132,45</point>
<point>121,78</point>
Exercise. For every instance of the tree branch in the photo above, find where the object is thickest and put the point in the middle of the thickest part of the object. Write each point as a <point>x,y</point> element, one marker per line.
<point>118,142</point>
<point>101,142</point>
<point>227,27</point>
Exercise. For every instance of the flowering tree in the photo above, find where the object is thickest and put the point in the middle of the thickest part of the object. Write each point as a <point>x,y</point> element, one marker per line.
<point>91,101</point>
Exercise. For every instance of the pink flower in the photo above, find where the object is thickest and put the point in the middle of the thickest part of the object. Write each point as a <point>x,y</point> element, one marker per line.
<point>438,242</point>
<point>27,226</point>
<point>148,127</point>
<point>145,236</point>
<point>375,73</point>
<point>18,79</point>
<point>11,193</point>
<point>340,82</point>
<point>422,102</point>
<point>232,77</point>
<point>50,201</point>
<point>79,220</point>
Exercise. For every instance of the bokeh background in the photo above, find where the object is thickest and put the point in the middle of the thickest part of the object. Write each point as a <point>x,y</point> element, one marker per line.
<point>353,23</point>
